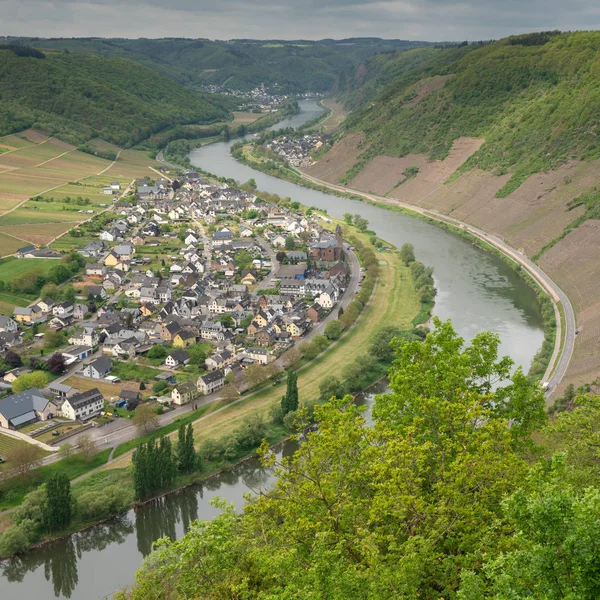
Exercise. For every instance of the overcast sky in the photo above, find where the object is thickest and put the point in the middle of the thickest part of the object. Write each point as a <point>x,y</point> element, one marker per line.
<point>433,20</point>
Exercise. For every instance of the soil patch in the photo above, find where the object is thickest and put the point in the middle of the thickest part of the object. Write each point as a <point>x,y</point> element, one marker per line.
<point>340,159</point>
<point>425,87</point>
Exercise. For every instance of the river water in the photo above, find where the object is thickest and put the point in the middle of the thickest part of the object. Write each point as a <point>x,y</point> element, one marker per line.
<point>476,290</point>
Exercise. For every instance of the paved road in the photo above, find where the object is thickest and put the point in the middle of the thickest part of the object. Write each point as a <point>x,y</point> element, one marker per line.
<point>269,280</point>
<point>558,364</point>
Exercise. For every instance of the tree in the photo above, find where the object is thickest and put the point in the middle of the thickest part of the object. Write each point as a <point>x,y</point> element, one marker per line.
<point>142,385</point>
<point>65,450</point>
<point>23,457</point>
<point>333,330</point>
<point>186,454</point>
<point>53,339</point>
<point>229,392</point>
<point>87,446</point>
<point>290,243</point>
<point>56,363</point>
<point>255,375</point>
<point>58,509</point>
<point>291,357</point>
<point>227,321</point>
<point>280,256</point>
<point>12,359</point>
<point>407,254</point>
<point>197,354</point>
<point>381,348</point>
<point>37,379</point>
<point>158,351</point>
<point>145,418</point>
<point>360,223</point>
<point>331,387</point>
<point>160,386</point>
<point>290,401</point>
<point>348,218</point>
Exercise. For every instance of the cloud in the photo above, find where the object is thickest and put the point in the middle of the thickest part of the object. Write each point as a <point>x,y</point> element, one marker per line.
<point>288,19</point>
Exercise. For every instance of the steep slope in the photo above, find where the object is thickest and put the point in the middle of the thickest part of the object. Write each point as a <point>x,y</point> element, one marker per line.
<point>80,96</point>
<point>292,66</point>
<point>500,135</point>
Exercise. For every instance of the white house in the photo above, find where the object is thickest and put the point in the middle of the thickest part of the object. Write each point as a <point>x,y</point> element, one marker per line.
<point>83,406</point>
<point>99,368</point>
<point>7,325</point>
<point>184,393</point>
<point>211,382</point>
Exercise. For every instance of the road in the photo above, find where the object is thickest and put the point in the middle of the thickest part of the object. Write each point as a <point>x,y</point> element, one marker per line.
<point>559,362</point>
<point>268,281</point>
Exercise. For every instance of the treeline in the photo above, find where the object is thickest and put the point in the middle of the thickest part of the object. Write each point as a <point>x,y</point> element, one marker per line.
<point>81,96</point>
<point>33,281</point>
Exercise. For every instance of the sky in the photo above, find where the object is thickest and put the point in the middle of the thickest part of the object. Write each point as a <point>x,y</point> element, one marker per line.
<point>431,20</point>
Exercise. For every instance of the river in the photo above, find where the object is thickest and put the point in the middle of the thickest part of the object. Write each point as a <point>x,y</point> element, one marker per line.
<point>477,290</point>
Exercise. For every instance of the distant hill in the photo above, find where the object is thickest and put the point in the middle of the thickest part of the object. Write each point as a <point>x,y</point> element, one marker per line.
<point>534,99</point>
<point>295,66</point>
<point>77,96</point>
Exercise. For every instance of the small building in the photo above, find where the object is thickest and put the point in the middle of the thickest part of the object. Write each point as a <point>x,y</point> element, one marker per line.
<point>99,368</point>
<point>184,393</point>
<point>183,339</point>
<point>315,313</point>
<point>60,390</point>
<point>211,382</point>
<point>177,357</point>
<point>83,406</point>
<point>131,397</point>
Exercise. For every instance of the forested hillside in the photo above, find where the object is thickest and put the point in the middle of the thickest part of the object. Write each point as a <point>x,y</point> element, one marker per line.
<point>535,99</point>
<point>295,66</point>
<point>445,496</point>
<point>79,96</point>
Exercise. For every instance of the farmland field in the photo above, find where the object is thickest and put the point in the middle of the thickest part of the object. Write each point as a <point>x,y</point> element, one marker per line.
<point>8,244</point>
<point>38,233</point>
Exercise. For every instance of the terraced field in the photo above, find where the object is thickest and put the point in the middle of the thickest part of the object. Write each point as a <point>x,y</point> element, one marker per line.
<point>31,165</point>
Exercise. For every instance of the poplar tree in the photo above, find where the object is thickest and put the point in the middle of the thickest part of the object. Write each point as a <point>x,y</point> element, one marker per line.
<point>186,454</point>
<point>289,402</point>
<point>140,472</point>
<point>58,510</point>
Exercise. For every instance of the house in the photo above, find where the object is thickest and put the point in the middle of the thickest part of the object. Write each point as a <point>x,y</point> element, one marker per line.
<point>21,252</point>
<point>221,238</point>
<point>14,373</point>
<point>132,397</point>
<point>249,278</point>
<point>177,357</point>
<point>259,355</point>
<point>29,314</point>
<point>184,393</point>
<point>27,407</point>
<point>265,336</point>
<point>219,361</point>
<point>8,340</point>
<point>169,331</point>
<point>99,368</point>
<point>97,291</point>
<point>63,309</point>
<point>211,382</point>
<point>316,312</point>
<point>95,270</point>
<point>183,339</point>
<point>328,250</point>
<point>83,406</point>
<point>278,241</point>
<point>7,325</point>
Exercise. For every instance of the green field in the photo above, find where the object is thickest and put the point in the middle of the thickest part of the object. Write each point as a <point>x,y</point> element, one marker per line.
<point>7,443</point>
<point>11,267</point>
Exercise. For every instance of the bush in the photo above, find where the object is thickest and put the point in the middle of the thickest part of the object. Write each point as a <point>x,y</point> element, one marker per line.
<point>158,351</point>
<point>159,386</point>
<point>103,503</point>
<point>17,538</point>
<point>289,421</point>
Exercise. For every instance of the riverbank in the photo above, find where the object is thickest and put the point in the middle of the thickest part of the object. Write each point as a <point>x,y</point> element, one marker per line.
<point>389,299</point>
<point>552,359</point>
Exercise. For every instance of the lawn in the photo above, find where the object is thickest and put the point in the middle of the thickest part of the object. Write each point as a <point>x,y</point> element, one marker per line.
<point>31,214</point>
<point>14,489</point>
<point>7,443</point>
<point>133,371</point>
<point>11,267</point>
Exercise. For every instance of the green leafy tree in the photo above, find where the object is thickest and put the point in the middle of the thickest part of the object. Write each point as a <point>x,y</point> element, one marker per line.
<point>37,379</point>
<point>158,351</point>
<point>333,330</point>
<point>407,254</point>
<point>58,509</point>
<point>186,454</point>
<point>290,401</point>
<point>290,243</point>
<point>331,387</point>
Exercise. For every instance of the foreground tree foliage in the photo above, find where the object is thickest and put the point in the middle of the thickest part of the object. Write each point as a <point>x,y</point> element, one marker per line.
<point>445,496</point>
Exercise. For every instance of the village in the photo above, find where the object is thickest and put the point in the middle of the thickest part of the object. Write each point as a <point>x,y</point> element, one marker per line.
<point>297,151</point>
<point>193,291</point>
